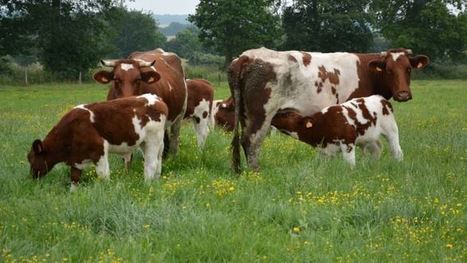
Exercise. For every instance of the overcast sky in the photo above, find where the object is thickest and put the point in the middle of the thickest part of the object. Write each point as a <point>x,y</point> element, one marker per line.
<point>164,6</point>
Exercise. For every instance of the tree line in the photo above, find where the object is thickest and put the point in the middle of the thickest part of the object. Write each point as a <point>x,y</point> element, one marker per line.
<point>68,37</point>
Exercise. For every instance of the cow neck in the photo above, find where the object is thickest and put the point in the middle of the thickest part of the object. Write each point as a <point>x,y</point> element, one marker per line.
<point>55,148</point>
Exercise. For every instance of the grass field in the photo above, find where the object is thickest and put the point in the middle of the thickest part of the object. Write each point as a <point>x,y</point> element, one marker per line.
<point>297,209</point>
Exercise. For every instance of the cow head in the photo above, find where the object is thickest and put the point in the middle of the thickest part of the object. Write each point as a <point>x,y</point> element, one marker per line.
<point>127,75</point>
<point>395,66</point>
<point>37,160</point>
<point>224,113</point>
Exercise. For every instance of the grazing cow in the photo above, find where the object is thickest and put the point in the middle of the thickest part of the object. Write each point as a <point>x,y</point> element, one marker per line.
<point>87,133</point>
<point>199,106</point>
<point>264,81</point>
<point>358,122</point>
<point>156,72</point>
<point>223,113</point>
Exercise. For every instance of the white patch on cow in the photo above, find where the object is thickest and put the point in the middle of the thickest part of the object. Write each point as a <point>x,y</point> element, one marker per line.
<point>215,108</point>
<point>396,55</point>
<point>83,164</point>
<point>126,66</point>
<point>201,128</point>
<point>102,165</point>
<point>91,114</point>
<point>151,98</point>
<point>153,68</point>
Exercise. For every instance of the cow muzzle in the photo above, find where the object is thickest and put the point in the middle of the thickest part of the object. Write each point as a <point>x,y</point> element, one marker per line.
<point>403,96</point>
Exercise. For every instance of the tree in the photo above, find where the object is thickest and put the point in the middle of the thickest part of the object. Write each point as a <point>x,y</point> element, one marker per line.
<point>131,31</point>
<point>233,26</point>
<point>186,43</point>
<point>426,26</point>
<point>67,34</point>
<point>327,25</point>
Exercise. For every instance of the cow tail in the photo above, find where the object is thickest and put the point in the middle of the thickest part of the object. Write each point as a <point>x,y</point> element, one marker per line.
<point>235,81</point>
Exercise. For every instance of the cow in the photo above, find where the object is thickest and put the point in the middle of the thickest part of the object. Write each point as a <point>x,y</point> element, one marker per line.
<point>357,122</point>
<point>264,81</point>
<point>223,113</point>
<point>86,134</point>
<point>199,107</point>
<point>156,72</point>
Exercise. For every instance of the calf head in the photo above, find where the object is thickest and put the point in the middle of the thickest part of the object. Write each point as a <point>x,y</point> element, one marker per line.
<point>37,160</point>
<point>127,76</point>
<point>224,114</point>
<point>395,66</point>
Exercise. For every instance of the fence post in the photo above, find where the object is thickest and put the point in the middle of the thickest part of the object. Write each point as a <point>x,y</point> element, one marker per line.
<point>26,81</point>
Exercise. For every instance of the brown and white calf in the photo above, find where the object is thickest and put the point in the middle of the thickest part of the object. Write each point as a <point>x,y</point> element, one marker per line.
<point>87,133</point>
<point>223,113</point>
<point>358,122</point>
<point>156,72</point>
<point>264,82</point>
<point>199,107</point>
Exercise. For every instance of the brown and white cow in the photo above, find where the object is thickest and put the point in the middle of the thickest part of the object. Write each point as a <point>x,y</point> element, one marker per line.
<point>156,72</point>
<point>199,107</point>
<point>87,133</point>
<point>340,128</point>
<point>264,81</point>
<point>223,113</point>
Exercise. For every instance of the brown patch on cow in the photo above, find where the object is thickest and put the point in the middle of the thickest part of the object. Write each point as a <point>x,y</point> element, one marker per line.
<point>257,75</point>
<point>292,58</point>
<point>306,58</point>
<point>371,120</point>
<point>333,77</point>
<point>316,84</point>
<point>387,107</point>
<point>198,89</point>
<point>333,90</point>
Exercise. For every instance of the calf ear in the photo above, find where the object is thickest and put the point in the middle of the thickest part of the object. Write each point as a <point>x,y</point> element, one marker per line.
<point>377,65</point>
<point>37,146</point>
<point>419,61</point>
<point>150,76</point>
<point>103,76</point>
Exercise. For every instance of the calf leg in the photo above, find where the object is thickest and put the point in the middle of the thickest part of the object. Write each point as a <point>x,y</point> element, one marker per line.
<point>348,152</point>
<point>374,148</point>
<point>75,175</point>
<point>102,166</point>
<point>127,159</point>
<point>253,137</point>
<point>391,132</point>
<point>152,150</point>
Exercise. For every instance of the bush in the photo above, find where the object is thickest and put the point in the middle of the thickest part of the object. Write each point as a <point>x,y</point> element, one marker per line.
<point>444,70</point>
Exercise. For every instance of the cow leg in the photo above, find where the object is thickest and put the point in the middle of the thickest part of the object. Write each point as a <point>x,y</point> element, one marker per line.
<point>374,148</point>
<point>166,144</point>
<point>127,159</point>
<point>251,141</point>
<point>174,137</point>
<point>348,152</point>
<point>75,175</point>
<point>201,125</point>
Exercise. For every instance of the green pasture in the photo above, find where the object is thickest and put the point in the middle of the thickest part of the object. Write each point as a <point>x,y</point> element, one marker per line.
<point>299,208</point>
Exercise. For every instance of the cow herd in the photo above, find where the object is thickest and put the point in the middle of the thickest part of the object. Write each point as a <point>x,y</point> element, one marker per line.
<point>332,101</point>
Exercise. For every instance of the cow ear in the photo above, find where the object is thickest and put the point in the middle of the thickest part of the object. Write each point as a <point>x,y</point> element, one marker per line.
<point>377,65</point>
<point>37,146</point>
<point>103,76</point>
<point>419,61</point>
<point>150,76</point>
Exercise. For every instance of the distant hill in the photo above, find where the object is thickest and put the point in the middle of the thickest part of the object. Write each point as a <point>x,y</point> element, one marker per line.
<point>165,20</point>
<point>173,29</point>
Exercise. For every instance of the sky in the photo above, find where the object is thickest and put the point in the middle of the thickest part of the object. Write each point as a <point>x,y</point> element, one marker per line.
<point>161,7</point>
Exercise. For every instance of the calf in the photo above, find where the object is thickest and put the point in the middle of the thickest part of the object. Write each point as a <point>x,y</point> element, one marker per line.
<point>223,114</point>
<point>341,127</point>
<point>87,133</point>
<point>199,105</point>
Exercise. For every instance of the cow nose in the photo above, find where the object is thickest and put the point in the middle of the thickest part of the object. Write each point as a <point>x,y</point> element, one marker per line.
<point>403,95</point>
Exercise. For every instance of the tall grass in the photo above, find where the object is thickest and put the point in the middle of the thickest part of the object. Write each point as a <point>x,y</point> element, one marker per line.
<point>299,208</point>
